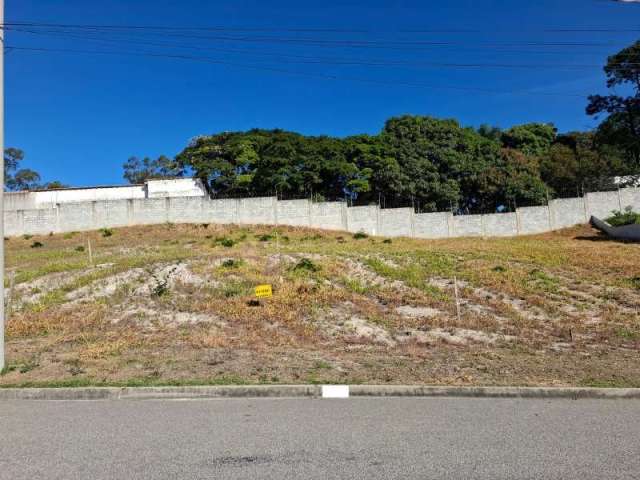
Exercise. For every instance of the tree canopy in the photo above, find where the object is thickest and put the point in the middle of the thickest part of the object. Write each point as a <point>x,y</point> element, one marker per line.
<point>17,179</point>
<point>430,163</point>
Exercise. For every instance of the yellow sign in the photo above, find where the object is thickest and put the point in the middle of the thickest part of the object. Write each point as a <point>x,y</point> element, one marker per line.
<point>264,291</point>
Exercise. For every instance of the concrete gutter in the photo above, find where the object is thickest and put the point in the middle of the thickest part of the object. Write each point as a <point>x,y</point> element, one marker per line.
<point>310,391</point>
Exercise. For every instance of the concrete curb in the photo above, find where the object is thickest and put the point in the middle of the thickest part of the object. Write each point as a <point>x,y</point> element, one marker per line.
<point>310,391</point>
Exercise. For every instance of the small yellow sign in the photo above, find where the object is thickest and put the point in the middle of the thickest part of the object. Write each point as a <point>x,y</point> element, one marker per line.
<point>264,291</point>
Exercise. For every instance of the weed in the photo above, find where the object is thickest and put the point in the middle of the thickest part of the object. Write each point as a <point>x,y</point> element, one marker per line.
<point>79,248</point>
<point>635,282</point>
<point>499,269</point>
<point>543,280</point>
<point>22,367</point>
<point>37,245</point>
<point>204,225</point>
<point>387,241</point>
<point>306,264</point>
<point>621,218</point>
<point>160,286</point>
<point>360,236</point>
<point>232,263</point>
<point>355,285</point>
<point>265,238</point>
<point>224,242</point>
<point>69,235</point>
<point>628,334</point>
<point>26,236</point>
<point>106,232</point>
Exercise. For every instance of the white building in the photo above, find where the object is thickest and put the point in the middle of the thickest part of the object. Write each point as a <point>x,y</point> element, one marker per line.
<point>36,199</point>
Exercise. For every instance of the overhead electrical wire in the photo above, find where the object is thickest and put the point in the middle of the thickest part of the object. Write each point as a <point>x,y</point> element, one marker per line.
<point>308,59</point>
<point>113,34</point>
<point>298,73</point>
<point>573,29</point>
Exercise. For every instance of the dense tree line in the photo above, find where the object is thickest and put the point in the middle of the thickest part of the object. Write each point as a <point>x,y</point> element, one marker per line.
<point>430,163</point>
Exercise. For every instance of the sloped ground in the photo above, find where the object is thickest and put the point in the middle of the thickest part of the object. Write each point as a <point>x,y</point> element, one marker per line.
<point>175,304</point>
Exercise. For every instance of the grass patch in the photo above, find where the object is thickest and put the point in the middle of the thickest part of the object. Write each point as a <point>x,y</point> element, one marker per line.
<point>306,265</point>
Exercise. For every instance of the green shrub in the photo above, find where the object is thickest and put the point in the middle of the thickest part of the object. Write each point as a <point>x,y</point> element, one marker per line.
<point>37,245</point>
<point>387,241</point>
<point>160,286</point>
<point>360,235</point>
<point>265,238</point>
<point>306,264</point>
<point>79,248</point>
<point>626,217</point>
<point>26,236</point>
<point>224,242</point>
<point>106,232</point>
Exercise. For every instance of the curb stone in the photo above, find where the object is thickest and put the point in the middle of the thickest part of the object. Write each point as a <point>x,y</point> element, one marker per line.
<point>310,391</point>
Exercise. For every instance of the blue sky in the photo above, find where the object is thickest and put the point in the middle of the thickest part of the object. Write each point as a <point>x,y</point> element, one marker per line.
<point>79,116</point>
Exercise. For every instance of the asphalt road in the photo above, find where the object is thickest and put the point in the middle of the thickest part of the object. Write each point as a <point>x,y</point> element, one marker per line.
<point>325,439</point>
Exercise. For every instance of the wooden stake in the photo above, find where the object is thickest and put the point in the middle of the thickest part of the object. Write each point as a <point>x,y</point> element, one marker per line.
<point>89,250</point>
<point>455,289</point>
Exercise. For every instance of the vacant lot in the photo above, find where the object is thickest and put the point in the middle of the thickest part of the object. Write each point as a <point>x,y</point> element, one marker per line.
<point>175,304</point>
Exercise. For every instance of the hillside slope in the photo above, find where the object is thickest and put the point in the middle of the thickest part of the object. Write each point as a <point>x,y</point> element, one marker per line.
<point>175,304</point>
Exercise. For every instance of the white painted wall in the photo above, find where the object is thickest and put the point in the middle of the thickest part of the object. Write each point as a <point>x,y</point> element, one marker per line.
<point>179,187</point>
<point>176,187</point>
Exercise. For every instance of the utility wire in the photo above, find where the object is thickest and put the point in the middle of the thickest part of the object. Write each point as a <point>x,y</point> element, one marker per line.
<point>299,73</point>
<point>321,42</point>
<point>586,29</point>
<point>314,60</point>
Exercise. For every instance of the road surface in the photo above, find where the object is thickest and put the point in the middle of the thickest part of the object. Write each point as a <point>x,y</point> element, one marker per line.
<point>366,438</point>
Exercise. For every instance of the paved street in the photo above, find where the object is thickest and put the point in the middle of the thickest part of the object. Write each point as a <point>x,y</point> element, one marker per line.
<point>323,439</point>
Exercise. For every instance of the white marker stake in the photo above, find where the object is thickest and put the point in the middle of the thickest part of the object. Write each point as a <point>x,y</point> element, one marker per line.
<point>335,391</point>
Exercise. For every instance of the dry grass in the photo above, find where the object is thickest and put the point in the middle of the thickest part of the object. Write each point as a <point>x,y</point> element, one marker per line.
<point>174,304</point>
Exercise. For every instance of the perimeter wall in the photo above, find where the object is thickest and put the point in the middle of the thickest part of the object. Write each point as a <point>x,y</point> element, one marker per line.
<point>91,215</point>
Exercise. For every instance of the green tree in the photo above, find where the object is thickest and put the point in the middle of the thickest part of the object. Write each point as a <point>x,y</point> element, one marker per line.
<point>621,127</point>
<point>531,138</point>
<point>24,179</point>
<point>137,171</point>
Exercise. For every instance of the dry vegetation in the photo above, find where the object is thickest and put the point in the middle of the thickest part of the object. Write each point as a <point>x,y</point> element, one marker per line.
<point>174,304</point>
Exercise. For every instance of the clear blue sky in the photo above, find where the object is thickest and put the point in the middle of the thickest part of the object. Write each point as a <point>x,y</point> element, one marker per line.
<point>79,116</point>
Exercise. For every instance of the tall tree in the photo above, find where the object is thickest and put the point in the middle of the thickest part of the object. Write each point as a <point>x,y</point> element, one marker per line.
<point>621,127</point>
<point>138,171</point>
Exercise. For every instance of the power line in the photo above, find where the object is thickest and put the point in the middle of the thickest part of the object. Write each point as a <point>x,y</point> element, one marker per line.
<point>562,29</point>
<point>298,73</point>
<point>314,60</point>
<point>321,42</point>
<point>92,37</point>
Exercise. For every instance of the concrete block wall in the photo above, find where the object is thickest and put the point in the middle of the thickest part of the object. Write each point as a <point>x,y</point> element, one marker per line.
<point>567,212</point>
<point>91,215</point>
<point>601,204</point>
<point>396,222</point>
<point>432,225</point>
<point>533,220</point>
<point>468,226</point>
<point>363,219</point>
<point>328,215</point>
<point>500,225</point>
<point>294,212</point>
<point>630,197</point>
